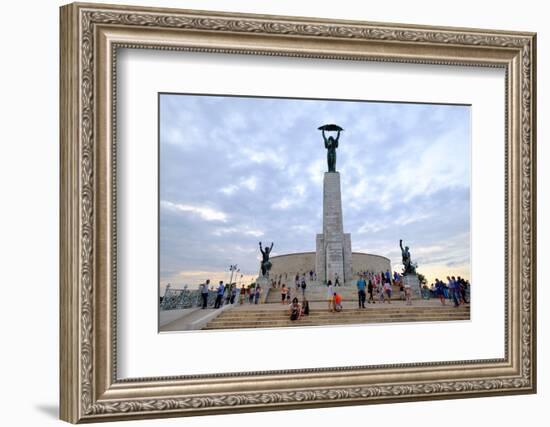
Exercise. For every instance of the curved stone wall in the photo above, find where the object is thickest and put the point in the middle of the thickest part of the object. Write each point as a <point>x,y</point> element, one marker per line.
<point>303,262</point>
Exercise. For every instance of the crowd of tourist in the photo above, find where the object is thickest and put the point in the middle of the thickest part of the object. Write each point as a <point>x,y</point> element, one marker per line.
<point>456,289</point>
<point>299,279</point>
<point>227,294</point>
<point>379,286</point>
<point>371,286</point>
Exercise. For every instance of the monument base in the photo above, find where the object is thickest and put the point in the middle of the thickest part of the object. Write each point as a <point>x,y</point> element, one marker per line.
<point>265,284</point>
<point>411,280</point>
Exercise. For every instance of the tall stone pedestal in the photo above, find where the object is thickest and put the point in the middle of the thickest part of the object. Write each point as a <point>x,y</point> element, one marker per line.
<point>333,246</point>
<point>265,284</point>
<point>412,281</point>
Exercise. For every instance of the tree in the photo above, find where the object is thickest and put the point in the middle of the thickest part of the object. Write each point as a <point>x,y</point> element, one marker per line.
<point>422,279</point>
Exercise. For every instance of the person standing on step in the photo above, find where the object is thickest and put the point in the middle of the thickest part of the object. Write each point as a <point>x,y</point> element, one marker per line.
<point>303,285</point>
<point>228,289</point>
<point>336,280</point>
<point>380,289</point>
<point>440,291</point>
<point>408,294</point>
<point>257,293</point>
<point>462,288</point>
<point>219,296</point>
<point>453,290</point>
<point>284,291</point>
<point>330,296</point>
<point>361,295</point>
<point>387,290</point>
<point>204,293</point>
<point>370,288</point>
<point>233,293</point>
<point>402,292</point>
<point>242,295</point>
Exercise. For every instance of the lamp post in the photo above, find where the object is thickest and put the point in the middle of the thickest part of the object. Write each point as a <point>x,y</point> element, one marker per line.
<point>232,269</point>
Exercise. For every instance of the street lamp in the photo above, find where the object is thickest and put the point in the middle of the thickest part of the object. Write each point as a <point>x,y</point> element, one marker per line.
<point>232,269</point>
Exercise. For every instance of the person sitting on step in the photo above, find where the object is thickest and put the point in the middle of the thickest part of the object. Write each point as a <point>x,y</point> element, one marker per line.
<point>337,302</point>
<point>295,309</point>
<point>305,307</point>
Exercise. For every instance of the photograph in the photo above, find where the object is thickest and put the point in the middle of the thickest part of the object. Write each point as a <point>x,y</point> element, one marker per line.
<point>296,212</point>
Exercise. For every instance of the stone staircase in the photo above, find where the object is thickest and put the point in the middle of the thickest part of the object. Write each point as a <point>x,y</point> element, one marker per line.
<point>259,317</point>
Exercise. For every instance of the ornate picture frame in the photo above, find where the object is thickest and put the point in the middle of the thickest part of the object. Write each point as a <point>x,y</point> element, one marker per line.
<point>90,37</point>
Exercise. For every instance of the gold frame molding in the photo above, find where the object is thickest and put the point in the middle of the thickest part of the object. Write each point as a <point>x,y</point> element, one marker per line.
<point>90,37</point>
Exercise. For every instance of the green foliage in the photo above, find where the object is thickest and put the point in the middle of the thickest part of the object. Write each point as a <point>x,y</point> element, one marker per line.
<point>422,279</point>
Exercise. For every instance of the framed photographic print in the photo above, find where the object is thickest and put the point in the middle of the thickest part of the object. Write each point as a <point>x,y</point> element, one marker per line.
<point>266,212</point>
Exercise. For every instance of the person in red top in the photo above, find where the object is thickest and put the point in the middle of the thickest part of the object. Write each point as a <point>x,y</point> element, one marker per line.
<point>337,302</point>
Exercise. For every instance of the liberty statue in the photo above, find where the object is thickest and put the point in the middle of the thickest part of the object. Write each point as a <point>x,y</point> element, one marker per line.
<point>331,144</point>
<point>408,265</point>
<point>266,263</point>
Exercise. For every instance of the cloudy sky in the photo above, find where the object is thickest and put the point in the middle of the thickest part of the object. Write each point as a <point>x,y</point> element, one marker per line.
<point>237,170</point>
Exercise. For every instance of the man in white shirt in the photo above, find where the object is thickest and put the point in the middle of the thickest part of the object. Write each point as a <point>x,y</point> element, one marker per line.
<point>204,293</point>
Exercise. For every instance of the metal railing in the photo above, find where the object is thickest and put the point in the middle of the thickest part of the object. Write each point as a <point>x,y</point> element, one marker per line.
<point>175,299</point>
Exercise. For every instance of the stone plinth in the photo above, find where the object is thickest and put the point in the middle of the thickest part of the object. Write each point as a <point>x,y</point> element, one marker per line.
<point>412,281</point>
<point>333,246</point>
<point>265,284</point>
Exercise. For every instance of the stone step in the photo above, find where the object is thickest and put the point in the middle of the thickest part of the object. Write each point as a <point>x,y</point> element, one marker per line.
<point>342,314</point>
<point>271,318</point>
<point>333,321</point>
<point>428,305</point>
<point>376,308</point>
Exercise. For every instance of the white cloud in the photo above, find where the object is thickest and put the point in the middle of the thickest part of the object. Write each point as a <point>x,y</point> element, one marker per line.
<point>299,189</point>
<point>303,229</point>
<point>316,170</point>
<point>230,189</point>
<point>250,182</point>
<point>206,213</point>
<point>243,230</point>
<point>372,227</point>
<point>235,121</point>
<point>261,156</point>
<point>283,204</point>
